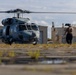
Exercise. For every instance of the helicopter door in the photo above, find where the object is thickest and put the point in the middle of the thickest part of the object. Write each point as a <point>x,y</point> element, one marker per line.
<point>7,30</point>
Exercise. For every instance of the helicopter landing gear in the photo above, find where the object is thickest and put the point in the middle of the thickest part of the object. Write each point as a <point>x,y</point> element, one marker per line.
<point>8,40</point>
<point>35,41</point>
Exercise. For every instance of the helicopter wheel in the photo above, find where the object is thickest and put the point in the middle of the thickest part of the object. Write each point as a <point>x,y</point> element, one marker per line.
<point>35,41</point>
<point>9,41</point>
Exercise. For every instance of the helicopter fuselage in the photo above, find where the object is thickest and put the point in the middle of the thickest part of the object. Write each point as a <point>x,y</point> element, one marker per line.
<point>17,30</point>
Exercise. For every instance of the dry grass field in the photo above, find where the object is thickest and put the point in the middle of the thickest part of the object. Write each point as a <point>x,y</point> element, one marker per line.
<point>37,51</point>
<point>41,49</point>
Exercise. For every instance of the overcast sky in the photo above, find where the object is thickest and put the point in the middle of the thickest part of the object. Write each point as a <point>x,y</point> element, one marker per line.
<point>42,5</point>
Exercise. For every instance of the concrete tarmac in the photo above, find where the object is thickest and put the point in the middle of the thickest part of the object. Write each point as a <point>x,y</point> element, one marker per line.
<point>65,69</point>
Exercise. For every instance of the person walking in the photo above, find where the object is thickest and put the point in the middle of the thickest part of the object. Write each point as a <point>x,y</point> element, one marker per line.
<point>69,35</point>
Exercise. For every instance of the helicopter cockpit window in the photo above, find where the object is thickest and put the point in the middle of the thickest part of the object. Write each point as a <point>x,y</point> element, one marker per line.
<point>28,27</point>
<point>22,27</point>
<point>9,21</point>
<point>34,27</point>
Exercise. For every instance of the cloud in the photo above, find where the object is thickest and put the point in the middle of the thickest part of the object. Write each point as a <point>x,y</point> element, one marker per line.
<point>43,23</point>
<point>74,22</point>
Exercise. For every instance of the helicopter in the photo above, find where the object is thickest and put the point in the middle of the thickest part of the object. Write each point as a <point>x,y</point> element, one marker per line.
<point>18,30</point>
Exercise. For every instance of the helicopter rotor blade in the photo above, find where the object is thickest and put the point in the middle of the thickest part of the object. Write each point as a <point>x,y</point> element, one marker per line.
<point>10,11</point>
<point>54,12</point>
<point>2,11</point>
<point>13,11</point>
<point>27,11</point>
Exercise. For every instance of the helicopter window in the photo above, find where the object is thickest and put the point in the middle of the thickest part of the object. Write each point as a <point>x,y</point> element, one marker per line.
<point>34,27</point>
<point>29,27</point>
<point>22,27</point>
<point>9,21</point>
